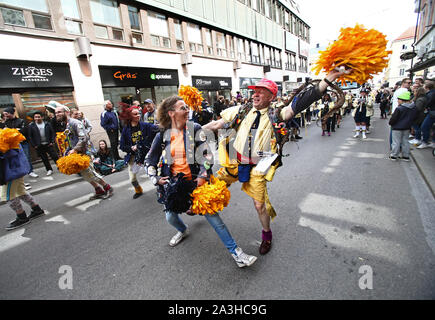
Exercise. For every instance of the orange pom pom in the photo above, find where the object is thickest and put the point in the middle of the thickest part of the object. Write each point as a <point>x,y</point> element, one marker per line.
<point>362,50</point>
<point>73,163</point>
<point>192,97</point>
<point>10,139</point>
<point>210,197</point>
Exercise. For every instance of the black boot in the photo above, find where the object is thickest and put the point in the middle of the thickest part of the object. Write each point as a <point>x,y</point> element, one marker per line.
<point>21,220</point>
<point>36,212</point>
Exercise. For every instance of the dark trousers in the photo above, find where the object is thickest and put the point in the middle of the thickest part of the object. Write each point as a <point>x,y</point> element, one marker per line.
<point>114,138</point>
<point>43,151</point>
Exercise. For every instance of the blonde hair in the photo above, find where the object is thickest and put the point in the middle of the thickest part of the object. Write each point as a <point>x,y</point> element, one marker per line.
<point>163,111</point>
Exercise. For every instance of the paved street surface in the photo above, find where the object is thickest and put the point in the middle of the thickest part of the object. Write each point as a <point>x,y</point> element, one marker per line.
<point>344,210</point>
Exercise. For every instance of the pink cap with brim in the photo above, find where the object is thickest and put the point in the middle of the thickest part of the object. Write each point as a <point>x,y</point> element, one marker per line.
<point>268,84</point>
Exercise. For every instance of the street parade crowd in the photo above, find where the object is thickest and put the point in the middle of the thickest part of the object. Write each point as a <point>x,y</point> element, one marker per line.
<point>179,142</point>
<point>162,141</point>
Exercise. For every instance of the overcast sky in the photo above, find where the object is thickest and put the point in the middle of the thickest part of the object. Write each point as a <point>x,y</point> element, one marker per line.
<point>326,17</point>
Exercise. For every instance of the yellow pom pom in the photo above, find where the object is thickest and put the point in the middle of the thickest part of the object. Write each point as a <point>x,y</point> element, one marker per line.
<point>10,139</point>
<point>73,163</point>
<point>210,197</point>
<point>362,50</point>
<point>192,97</point>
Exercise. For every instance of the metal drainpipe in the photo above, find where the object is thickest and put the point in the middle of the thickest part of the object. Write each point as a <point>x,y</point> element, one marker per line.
<point>411,74</point>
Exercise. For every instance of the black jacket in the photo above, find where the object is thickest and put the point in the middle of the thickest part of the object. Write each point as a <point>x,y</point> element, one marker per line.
<point>35,136</point>
<point>403,117</point>
<point>16,123</point>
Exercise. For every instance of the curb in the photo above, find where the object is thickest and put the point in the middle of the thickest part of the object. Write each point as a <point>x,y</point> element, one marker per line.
<point>422,174</point>
<point>51,187</point>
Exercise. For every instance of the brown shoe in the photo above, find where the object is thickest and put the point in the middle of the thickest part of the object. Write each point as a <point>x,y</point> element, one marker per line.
<point>265,247</point>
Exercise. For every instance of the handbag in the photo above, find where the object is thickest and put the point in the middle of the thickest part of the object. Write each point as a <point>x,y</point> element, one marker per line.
<point>14,165</point>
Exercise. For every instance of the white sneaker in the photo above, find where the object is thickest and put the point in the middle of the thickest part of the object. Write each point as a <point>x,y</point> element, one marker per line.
<point>242,259</point>
<point>368,131</point>
<point>423,145</point>
<point>414,142</point>
<point>178,237</point>
<point>364,135</point>
<point>33,175</point>
<point>356,134</point>
<point>49,172</point>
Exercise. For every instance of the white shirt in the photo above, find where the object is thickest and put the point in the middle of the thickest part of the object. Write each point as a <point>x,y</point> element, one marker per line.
<point>41,128</point>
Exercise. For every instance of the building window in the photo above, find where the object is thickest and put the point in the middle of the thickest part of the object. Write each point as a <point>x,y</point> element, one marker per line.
<point>209,42</point>
<point>241,49</point>
<point>118,34</point>
<point>221,44</point>
<point>232,50</point>
<point>402,72</point>
<point>73,27</point>
<point>195,38</point>
<point>267,56</point>
<point>72,17</point>
<point>137,37</point>
<point>158,25</point>
<point>42,22</point>
<point>13,17</point>
<point>133,14</point>
<point>101,32</point>
<point>255,55</point>
<point>105,12</point>
<point>179,35</point>
<point>34,5</point>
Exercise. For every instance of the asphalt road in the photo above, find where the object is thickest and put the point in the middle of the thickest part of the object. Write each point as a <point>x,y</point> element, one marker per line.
<point>344,212</point>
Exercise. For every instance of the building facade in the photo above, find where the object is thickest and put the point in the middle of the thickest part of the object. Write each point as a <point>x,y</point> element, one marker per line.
<point>397,67</point>
<point>82,52</point>
<point>424,44</point>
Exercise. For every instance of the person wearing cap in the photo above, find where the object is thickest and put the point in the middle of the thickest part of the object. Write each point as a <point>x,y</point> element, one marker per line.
<point>12,122</point>
<point>401,122</point>
<point>149,109</point>
<point>249,144</point>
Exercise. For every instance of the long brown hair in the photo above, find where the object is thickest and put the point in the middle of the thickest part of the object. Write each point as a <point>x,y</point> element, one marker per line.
<point>418,93</point>
<point>163,111</point>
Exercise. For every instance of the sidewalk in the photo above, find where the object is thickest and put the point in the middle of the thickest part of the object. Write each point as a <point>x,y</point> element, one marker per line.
<point>425,162</point>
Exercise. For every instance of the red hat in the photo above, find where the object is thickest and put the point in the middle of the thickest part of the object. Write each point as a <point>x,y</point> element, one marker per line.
<point>268,84</point>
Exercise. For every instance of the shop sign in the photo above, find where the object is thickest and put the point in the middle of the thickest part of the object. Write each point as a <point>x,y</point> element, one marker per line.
<point>212,83</point>
<point>27,74</point>
<point>137,77</point>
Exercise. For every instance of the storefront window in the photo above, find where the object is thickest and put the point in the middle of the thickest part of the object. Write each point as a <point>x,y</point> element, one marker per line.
<point>120,94</point>
<point>6,101</point>
<point>163,92</point>
<point>36,100</point>
<point>145,93</point>
<point>133,14</point>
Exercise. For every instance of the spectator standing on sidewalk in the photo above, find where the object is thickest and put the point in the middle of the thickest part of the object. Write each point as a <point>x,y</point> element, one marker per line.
<point>110,122</point>
<point>430,116</point>
<point>401,122</point>
<point>42,138</point>
<point>420,101</point>
<point>13,122</point>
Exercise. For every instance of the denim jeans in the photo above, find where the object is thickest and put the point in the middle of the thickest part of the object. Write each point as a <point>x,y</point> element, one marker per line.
<point>26,149</point>
<point>214,220</point>
<point>400,139</point>
<point>425,127</point>
<point>417,130</point>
